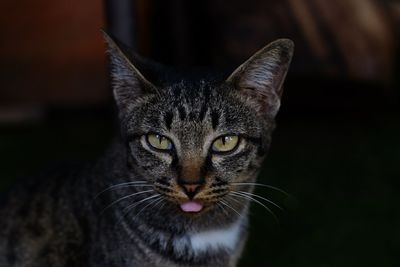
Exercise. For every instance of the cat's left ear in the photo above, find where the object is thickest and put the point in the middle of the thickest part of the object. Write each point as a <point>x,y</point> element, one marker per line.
<point>127,81</point>
<point>260,78</point>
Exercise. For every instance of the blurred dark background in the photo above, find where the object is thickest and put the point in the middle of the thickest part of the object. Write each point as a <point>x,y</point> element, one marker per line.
<point>336,149</point>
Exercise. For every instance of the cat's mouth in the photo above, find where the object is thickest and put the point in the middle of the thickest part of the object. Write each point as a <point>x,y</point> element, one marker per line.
<point>191,206</point>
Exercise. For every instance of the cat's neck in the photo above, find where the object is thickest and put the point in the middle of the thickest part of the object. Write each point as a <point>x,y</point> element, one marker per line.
<point>226,238</point>
<point>193,245</point>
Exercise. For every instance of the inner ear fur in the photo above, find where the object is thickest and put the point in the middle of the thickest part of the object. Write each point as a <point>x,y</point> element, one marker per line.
<point>127,81</point>
<point>261,77</point>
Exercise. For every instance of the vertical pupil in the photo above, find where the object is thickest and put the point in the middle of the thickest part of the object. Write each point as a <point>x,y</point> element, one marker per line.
<point>224,140</point>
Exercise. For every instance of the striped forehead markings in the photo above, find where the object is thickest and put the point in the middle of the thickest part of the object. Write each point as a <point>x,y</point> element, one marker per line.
<point>203,112</point>
<point>182,112</point>
<point>214,119</point>
<point>185,112</point>
<point>168,118</point>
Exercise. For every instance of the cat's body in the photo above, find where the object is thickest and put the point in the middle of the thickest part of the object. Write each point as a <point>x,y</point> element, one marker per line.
<point>166,192</point>
<point>54,222</point>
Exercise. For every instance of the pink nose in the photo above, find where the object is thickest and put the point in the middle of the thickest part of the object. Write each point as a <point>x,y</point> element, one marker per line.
<point>191,189</point>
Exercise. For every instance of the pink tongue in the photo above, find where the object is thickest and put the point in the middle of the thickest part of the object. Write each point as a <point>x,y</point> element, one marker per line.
<point>191,206</point>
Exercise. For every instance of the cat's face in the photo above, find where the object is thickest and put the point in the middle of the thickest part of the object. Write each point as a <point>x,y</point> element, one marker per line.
<point>197,143</point>
<point>193,143</point>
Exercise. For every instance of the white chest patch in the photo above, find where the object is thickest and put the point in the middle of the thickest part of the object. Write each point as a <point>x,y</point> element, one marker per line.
<point>226,238</point>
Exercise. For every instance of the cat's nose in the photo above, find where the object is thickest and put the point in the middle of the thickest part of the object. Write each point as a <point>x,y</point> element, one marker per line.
<point>191,189</point>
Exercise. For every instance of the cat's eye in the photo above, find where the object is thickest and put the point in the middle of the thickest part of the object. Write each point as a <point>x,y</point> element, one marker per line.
<point>225,143</point>
<point>159,142</point>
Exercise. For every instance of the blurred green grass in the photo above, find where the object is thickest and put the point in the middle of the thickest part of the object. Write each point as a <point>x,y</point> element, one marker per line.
<point>341,171</point>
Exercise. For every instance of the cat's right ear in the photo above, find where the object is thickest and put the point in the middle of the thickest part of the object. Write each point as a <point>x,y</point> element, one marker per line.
<point>260,78</point>
<point>127,81</point>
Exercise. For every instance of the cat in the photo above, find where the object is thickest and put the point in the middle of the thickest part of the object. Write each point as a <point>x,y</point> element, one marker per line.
<point>171,189</point>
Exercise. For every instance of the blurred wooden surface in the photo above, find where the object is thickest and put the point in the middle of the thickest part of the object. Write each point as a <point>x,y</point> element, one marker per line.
<point>347,39</point>
<point>52,53</point>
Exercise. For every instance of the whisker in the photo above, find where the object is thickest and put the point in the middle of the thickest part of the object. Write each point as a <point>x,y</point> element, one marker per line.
<point>127,184</point>
<point>256,201</point>
<point>126,210</point>
<point>222,208</point>
<point>163,202</point>
<point>162,205</point>
<point>122,198</point>
<point>263,198</point>
<point>137,203</point>
<point>237,201</point>
<point>226,204</point>
<point>157,200</point>
<point>264,185</point>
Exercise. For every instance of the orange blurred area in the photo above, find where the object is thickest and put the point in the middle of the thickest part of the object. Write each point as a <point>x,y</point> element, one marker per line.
<point>52,53</point>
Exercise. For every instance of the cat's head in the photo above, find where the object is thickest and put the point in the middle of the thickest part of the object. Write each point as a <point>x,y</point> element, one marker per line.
<point>196,143</point>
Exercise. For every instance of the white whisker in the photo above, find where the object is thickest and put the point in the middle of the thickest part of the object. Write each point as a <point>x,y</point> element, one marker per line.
<point>263,198</point>
<point>137,203</point>
<point>256,201</point>
<point>264,185</point>
<point>127,184</point>
<point>126,210</point>
<point>125,197</point>
<point>162,205</point>
<point>226,204</point>
<point>222,208</point>
<point>237,201</point>
<point>157,200</point>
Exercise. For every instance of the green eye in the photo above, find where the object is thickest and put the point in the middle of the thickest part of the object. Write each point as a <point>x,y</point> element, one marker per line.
<point>225,143</point>
<point>159,142</point>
